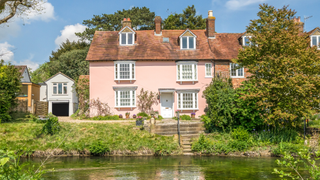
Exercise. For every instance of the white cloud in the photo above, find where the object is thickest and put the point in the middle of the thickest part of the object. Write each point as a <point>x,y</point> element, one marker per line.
<point>238,4</point>
<point>69,33</point>
<point>46,14</point>
<point>5,52</point>
<point>7,55</point>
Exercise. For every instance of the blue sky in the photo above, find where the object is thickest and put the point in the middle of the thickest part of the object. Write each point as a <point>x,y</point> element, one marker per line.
<point>29,40</point>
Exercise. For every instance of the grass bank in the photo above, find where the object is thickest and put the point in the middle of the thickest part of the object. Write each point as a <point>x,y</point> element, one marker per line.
<point>77,138</point>
<point>263,143</point>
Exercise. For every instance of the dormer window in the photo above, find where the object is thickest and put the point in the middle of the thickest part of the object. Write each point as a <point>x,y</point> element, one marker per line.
<point>187,40</point>
<point>126,36</point>
<point>315,41</point>
<point>246,41</point>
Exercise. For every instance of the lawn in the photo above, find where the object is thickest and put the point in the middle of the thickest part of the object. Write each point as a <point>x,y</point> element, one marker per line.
<point>24,135</point>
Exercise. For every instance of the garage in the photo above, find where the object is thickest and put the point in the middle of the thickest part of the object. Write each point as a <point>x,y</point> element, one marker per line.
<point>60,109</point>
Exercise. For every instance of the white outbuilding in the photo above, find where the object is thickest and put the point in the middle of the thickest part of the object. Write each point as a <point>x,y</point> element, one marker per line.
<point>59,91</point>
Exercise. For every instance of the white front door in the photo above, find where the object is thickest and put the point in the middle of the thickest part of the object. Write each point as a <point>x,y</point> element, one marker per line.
<point>166,105</point>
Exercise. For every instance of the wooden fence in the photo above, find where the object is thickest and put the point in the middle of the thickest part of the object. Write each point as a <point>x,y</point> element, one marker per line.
<point>41,108</point>
<point>22,106</point>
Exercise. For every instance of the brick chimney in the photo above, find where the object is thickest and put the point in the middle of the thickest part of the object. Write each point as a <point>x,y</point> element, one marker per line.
<point>157,24</point>
<point>126,22</point>
<point>211,25</point>
<point>298,23</point>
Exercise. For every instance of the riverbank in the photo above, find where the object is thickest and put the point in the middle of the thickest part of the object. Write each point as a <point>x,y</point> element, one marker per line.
<point>76,139</point>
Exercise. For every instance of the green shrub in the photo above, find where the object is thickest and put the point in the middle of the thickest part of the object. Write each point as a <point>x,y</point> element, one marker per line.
<point>203,144</point>
<point>240,134</point>
<point>143,114</point>
<point>220,97</point>
<point>51,126</point>
<point>247,115</point>
<point>160,117</point>
<point>185,117</point>
<point>277,135</point>
<point>287,147</point>
<point>99,148</point>
<point>11,168</point>
<point>107,117</point>
<point>237,145</point>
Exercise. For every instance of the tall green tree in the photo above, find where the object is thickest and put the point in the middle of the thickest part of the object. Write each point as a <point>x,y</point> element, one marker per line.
<point>141,18</point>
<point>9,89</point>
<point>68,59</point>
<point>188,19</point>
<point>285,70</point>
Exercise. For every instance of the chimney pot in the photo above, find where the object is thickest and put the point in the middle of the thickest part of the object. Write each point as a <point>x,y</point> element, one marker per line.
<point>126,22</point>
<point>211,25</point>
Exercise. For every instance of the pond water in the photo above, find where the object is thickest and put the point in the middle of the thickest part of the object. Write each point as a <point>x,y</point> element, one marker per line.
<point>171,167</point>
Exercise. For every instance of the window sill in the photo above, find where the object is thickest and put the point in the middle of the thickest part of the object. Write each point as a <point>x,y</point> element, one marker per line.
<point>187,109</point>
<point>59,94</point>
<point>181,81</point>
<point>125,79</point>
<point>187,49</point>
<point>237,77</point>
<point>208,77</point>
<point>126,44</point>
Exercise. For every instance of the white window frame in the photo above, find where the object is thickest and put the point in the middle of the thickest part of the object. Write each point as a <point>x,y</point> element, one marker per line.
<point>244,41</point>
<point>206,72</point>
<point>117,70</point>
<point>237,72</point>
<point>317,40</point>
<point>120,39</point>
<point>63,84</point>
<point>194,43</point>
<point>133,97</point>
<point>195,100</point>
<point>194,65</point>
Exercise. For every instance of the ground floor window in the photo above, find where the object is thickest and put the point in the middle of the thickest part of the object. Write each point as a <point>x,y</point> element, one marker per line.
<point>125,98</point>
<point>188,100</point>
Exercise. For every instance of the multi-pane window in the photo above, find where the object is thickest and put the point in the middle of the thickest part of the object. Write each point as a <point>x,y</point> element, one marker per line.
<point>188,100</point>
<point>246,41</point>
<point>60,88</point>
<point>236,70</point>
<point>208,70</point>
<point>126,38</point>
<point>125,98</point>
<point>315,41</point>
<point>124,70</point>
<point>187,72</point>
<point>188,42</point>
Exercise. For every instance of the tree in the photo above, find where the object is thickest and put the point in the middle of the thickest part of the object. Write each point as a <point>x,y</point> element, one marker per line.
<point>146,100</point>
<point>72,63</point>
<point>187,19</point>
<point>220,97</point>
<point>141,18</point>
<point>285,70</point>
<point>10,8</point>
<point>9,89</point>
<point>68,59</point>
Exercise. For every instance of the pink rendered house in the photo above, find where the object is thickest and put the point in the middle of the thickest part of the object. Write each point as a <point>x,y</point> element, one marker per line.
<point>177,64</point>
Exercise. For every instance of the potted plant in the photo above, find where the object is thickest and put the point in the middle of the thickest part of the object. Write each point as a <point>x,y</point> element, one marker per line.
<point>120,116</point>
<point>139,121</point>
<point>127,115</point>
<point>193,115</point>
<point>134,116</point>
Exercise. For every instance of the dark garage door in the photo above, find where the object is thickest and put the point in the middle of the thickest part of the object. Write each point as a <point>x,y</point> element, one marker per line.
<point>60,109</point>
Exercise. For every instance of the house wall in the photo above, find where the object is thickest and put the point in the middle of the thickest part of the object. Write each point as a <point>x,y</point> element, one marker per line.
<point>69,97</point>
<point>150,75</point>
<point>43,93</point>
<point>35,92</point>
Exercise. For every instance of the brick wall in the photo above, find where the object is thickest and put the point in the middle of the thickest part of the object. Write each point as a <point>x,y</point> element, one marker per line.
<point>223,68</point>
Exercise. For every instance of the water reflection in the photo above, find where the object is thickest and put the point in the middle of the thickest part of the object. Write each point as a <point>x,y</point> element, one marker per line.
<point>159,168</point>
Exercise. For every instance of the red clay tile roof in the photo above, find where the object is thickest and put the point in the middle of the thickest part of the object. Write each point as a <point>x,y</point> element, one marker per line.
<point>225,46</point>
<point>105,46</point>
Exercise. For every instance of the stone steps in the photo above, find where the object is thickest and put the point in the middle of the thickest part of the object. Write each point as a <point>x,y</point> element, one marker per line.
<point>188,132</point>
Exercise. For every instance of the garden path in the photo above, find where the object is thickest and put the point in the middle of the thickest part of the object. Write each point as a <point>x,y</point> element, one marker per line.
<point>70,120</point>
